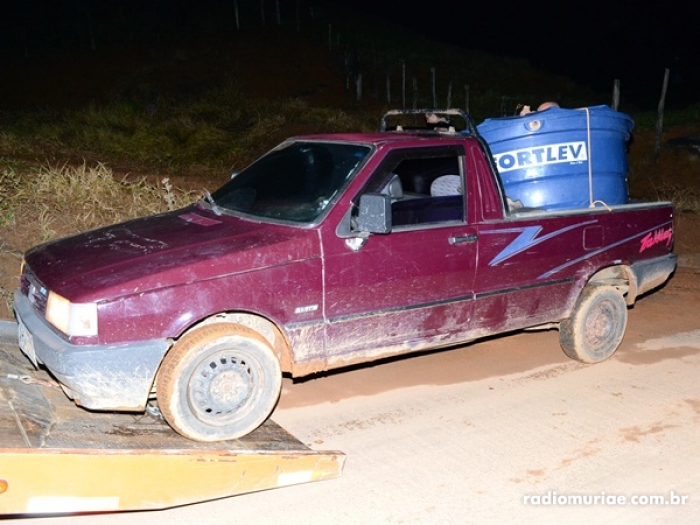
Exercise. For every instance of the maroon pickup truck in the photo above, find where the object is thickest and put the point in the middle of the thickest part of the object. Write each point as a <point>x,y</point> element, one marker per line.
<point>328,251</point>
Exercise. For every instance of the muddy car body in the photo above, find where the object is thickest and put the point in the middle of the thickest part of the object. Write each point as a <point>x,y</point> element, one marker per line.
<point>330,250</point>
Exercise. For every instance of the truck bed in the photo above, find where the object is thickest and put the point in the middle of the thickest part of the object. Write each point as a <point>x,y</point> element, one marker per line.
<point>599,208</point>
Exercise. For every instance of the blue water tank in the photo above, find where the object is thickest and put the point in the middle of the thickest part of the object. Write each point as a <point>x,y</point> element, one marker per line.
<point>562,158</point>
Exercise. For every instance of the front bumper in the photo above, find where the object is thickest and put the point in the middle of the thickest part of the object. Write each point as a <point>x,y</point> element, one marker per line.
<point>98,377</point>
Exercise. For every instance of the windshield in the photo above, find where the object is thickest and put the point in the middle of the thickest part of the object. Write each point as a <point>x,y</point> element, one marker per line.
<point>294,182</point>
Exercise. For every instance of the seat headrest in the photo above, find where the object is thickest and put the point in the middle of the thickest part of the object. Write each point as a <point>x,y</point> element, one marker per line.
<point>446,185</point>
<point>394,188</point>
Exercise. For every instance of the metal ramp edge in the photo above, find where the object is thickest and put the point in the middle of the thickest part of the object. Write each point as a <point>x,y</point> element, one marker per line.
<point>57,458</point>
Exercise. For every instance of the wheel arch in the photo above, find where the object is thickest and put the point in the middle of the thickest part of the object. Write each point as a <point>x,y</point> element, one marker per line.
<point>262,325</point>
<point>619,276</point>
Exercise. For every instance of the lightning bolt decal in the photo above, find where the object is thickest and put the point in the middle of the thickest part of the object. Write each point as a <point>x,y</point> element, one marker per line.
<point>528,237</point>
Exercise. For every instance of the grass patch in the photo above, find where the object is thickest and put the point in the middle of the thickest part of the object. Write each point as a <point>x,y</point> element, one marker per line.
<point>221,130</point>
<point>68,199</point>
<point>40,204</point>
<point>685,200</point>
<point>689,115</point>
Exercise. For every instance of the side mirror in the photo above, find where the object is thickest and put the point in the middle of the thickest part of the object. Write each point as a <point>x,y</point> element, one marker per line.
<point>375,213</point>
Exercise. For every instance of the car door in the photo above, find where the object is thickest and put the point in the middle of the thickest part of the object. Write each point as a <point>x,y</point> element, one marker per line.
<point>411,288</point>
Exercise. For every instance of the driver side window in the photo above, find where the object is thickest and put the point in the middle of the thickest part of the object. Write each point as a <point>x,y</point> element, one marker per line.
<point>426,191</point>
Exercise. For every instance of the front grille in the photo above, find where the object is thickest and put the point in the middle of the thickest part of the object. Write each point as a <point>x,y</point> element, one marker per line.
<point>34,290</point>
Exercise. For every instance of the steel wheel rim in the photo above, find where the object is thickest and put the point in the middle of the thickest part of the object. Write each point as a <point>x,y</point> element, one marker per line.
<point>222,388</point>
<point>600,326</point>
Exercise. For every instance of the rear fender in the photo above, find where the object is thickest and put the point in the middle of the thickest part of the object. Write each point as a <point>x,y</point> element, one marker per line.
<point>619,277</point>
<point>638,278</point>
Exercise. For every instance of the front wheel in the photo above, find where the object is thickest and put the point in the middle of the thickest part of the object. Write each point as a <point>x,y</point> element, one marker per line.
<point>218,382</point>
<point>597,325</point>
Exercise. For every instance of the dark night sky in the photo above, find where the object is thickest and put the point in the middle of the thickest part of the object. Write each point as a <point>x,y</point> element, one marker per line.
<point>592,41</point>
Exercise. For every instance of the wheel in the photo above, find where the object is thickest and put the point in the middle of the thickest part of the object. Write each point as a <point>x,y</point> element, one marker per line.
<point>597,325</point>
<point>218,382</point>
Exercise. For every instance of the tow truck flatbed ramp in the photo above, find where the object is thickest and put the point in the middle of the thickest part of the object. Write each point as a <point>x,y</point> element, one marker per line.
<point>57,458</point>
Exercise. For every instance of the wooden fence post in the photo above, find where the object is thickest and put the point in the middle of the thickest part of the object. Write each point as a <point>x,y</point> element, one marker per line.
<point>660,118</point>
<point>375,65</point>
<point>616,94</point>
<point>388,85</point>
<point>297,17</point>
<point>415,93</point>
<point>403,84</point>
<point>92,34</point>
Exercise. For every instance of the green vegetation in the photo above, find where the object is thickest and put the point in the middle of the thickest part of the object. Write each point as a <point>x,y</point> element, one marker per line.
<point>219,131</point>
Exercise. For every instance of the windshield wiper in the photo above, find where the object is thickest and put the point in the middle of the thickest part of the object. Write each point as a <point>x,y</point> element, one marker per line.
<point>212,203</point>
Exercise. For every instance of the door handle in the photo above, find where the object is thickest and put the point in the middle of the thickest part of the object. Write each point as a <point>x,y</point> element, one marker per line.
<point>472,237</point>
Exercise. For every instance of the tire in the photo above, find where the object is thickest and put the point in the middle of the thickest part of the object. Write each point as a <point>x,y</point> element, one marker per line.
<point>218,382</point>
<point>597,325</point>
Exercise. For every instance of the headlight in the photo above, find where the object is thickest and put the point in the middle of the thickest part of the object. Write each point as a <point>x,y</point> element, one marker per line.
<point>73,319</point>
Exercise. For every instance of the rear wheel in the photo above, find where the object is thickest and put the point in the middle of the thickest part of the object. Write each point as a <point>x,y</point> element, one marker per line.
<point>597,325</point>
<point>219,382</point>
